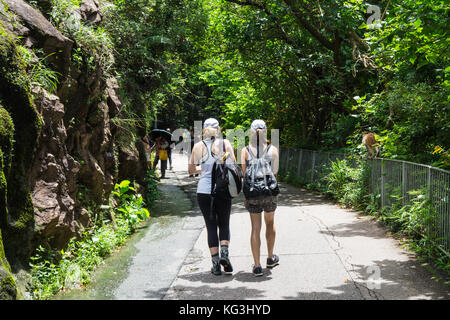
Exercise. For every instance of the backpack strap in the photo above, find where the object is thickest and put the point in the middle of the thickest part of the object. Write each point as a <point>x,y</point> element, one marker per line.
<point>264,152</point>
<point>202,160</point>
<point>223,147</point>
<point>208,151</point>
<point>250,152</point>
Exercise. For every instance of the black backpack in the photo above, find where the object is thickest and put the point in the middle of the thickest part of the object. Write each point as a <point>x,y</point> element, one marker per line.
<point>226,177</point>
<point>259,178</point>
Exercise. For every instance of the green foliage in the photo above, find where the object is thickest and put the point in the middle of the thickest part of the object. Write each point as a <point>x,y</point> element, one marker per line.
<point>53,271</point>
<point>413,41</point>
<point>130,206</point>
<point>94,41</point>
<point>347,184</point>
<point>155,48</point>
<point>443,160</point>
<point>411,119</point>
<point>151,188</point>
<point>413,219</point>
<point>44,76</point>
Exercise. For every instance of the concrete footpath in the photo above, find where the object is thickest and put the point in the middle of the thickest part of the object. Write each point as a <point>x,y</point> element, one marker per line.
<point>326,252</point>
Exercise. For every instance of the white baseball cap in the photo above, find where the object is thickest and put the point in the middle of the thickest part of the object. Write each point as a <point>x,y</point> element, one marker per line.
<point>211,122</point>
<point>258,124</point>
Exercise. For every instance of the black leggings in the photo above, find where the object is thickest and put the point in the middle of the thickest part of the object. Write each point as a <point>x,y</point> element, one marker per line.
<point>219,219</point>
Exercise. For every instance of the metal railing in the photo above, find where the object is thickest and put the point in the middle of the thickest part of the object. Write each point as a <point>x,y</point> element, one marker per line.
<point>392,182</point>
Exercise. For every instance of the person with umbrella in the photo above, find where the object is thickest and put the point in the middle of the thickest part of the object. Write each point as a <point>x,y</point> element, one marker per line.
<point>161,138</point>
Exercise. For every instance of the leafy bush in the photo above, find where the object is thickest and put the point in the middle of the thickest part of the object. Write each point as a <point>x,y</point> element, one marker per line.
<point>347,184</point>
<point>53,270</point>
<point>130,205</point>
<point>411,119</point>
<point>151,190</point>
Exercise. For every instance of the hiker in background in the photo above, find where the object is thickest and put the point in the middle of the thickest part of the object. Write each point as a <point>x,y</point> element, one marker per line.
<point>161,145</point>
<point>215,209</point>
<point>169,150</point>
<point>259,162</point>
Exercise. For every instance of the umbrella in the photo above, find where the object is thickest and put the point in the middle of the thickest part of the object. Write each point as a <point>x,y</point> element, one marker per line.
<point>160,133</point>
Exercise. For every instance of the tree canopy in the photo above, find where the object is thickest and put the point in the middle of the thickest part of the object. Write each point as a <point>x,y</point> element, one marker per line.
<point>320,71</point>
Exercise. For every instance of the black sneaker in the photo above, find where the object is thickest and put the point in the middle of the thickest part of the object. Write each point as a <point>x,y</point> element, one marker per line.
<point>216,268</point>
<point>225,261</point>
<point>273,262</point>
<point>257,271</point>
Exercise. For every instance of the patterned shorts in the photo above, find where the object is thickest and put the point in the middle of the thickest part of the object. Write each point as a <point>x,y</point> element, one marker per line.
<point>258,205</point>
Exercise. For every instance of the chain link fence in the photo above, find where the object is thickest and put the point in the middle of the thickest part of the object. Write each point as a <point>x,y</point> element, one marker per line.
<point>392,183</point>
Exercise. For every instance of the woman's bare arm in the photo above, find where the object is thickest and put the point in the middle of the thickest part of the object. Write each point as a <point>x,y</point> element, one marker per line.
<point>230,150</point>
<point>193,160</point>
<point>275,161</point>
<point>244,160</point>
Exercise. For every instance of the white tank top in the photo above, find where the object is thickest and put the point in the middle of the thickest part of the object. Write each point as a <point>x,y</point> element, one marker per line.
<point>207,162</point>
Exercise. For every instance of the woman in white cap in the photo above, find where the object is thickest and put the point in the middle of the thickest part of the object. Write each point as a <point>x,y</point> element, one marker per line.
<point>259,147</point>
<point>216,213</point>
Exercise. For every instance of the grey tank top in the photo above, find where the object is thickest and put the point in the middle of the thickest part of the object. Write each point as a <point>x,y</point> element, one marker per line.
<point>207,162</point>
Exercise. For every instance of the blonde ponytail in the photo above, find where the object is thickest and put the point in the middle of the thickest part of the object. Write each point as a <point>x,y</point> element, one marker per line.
<point>210,133</point>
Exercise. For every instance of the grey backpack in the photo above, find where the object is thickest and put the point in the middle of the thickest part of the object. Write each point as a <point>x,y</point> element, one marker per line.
<point>259,178</point>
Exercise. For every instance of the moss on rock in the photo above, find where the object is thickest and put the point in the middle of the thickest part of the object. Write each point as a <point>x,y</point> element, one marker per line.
<point>8,290</point>
<point>19,122</point>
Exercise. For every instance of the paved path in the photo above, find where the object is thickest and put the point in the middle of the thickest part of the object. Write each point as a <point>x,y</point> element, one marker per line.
<point>325,253</point>
<point>168,240</point>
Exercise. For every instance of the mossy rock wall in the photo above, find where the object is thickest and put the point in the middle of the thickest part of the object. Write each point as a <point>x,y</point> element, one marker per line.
<point>20,125</point>
<point>8,290</point>
<point>7,285</point>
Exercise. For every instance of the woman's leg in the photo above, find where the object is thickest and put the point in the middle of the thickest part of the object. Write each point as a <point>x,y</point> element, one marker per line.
<point>255,240</point>
<point>222,207</point>
<point>163,168</point>
<point>270,232</point>
<point>204,202</point>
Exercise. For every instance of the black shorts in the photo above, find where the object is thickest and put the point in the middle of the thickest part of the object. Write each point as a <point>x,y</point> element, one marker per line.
<point>258,205</point>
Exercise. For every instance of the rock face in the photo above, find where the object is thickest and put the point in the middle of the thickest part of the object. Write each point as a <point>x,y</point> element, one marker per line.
<point>56,174</point>
<point>52,146</point>
<point>90,11</point>
<point>19,128</point>
<point>53,177</point>
<point>39,32</point>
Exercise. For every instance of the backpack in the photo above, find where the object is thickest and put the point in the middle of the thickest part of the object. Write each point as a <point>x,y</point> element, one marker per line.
<point>163,155</point>
<point>226,176</point>
<point>259,178</point>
